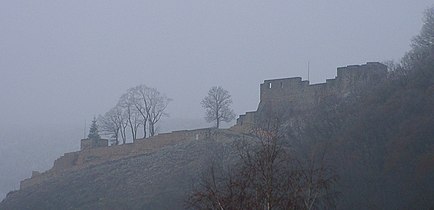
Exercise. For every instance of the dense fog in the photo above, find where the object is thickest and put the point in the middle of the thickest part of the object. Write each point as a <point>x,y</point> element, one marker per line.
<point>62,63</point>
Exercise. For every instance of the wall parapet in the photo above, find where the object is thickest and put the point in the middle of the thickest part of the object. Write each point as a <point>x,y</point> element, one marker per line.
<point>299,95</point>
<point>96,155</point>
<point>93,143</point>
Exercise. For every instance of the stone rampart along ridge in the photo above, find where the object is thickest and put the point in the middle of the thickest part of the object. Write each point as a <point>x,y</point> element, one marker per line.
<point>97,155</point>
<point>289,94</point>
<point>93,143</point>
<point>298,96</point>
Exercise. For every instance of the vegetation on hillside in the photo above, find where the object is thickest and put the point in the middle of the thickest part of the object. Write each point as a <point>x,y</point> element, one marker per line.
<point>379,139</point>
<point>140,108</point>
<point>375,148</point>
<point>267,176</point>
<point>93,131</point>
<point>382,138</point>
<point>217,105</point>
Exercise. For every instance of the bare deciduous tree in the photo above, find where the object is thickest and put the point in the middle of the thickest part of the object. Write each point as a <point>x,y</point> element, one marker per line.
<point>112,124</point>
<point>132,115</point>
<point>267,177</point>
<point>140,94</point>
<point>139,107</point>
<point>157,105</point>
<point>124,123</point>
<point>426,37</point>
<point>422,45</point>
<point>217,106</point>
<point>150,104</point>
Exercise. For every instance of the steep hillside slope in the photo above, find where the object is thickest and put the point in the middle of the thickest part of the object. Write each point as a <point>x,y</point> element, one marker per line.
<point>158,180</point>
<point>383,145</point>
<point>381,139</point>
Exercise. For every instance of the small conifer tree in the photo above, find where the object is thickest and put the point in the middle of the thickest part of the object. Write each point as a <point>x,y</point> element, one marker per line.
<point>93,131</point>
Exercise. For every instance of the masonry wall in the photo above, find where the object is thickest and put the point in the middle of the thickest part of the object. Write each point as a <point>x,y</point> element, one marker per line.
<point>92,156</point>
<point>297,96</point>
<point>245,122</point>
<point>288,93</point>
<point>93,143</point>
<point>140,146</point>
<point>359,75</point>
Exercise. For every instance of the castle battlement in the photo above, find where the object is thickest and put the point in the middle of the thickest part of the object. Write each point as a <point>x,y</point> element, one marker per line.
<point>300,96</point>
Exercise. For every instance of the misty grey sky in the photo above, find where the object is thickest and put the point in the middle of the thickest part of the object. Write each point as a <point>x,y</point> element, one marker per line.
<point>66,61</point>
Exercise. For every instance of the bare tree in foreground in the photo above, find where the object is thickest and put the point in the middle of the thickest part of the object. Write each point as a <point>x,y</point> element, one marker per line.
<point>267,177</point>
<point>217,106</point>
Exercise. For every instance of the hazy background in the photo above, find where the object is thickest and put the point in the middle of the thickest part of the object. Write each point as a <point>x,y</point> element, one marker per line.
<point>62,62</point>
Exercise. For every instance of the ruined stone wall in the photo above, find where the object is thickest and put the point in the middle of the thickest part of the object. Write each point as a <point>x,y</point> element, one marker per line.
<point>68,160</point>
<point>93,143</point>
<point>354,76</point>
<point>85,158</point>
<point>291,94</point>
<point>296,97</point>
<point>244,122</point>
<point>140,146</point>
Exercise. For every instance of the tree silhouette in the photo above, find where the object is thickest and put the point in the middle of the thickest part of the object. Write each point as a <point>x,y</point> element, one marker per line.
<point>93,131</point>
<point>217,105</point>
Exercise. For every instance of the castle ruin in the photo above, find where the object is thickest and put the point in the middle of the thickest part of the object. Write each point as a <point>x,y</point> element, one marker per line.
<point>298,96</point>
<point>94,152</point>
<point>288,94</point>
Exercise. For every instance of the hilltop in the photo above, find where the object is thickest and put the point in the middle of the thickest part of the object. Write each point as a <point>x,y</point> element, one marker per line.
<point>154,180</point>
<point>380,135</point>
<point>377,132</point>
<point>361,140</point>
